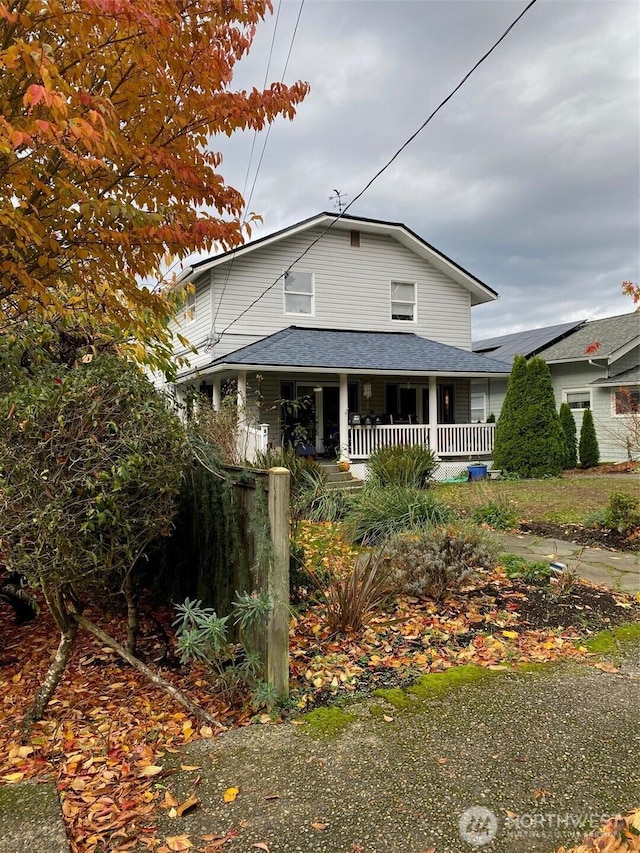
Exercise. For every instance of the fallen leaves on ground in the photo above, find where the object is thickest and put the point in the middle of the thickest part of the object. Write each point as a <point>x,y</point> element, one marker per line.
<point>105,735</point>
<point>108,733</point>
<point>480,625</point>
<point>617,835</point>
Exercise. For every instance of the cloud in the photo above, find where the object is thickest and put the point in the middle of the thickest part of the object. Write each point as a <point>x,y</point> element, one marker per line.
<point>528,177</point>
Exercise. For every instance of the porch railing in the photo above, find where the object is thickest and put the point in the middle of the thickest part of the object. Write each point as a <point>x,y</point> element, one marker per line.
<point>363,440</point>
<point>452,439</point>
<point>252,440</point>
<point>465,439</point>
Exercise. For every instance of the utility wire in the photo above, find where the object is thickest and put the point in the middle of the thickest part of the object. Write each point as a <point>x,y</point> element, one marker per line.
<point>264,146</point>
<point>387,164</point>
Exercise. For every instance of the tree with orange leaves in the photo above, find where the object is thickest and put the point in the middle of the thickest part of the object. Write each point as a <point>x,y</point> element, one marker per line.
<point>107,113</point>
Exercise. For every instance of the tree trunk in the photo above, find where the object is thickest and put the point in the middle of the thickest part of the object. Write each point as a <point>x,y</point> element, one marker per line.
<point>53,676</point>
<point>68,629</point>
<point>176,694</point>
<point>132,614</point>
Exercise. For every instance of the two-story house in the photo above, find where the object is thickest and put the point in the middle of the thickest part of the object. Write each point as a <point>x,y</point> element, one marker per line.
<point>343,334</point>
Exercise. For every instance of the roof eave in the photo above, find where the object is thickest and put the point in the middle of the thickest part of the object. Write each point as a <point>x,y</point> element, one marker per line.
<point>222,367</point>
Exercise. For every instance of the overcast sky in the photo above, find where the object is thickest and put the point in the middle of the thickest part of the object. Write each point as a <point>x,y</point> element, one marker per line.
<point>529,177</point>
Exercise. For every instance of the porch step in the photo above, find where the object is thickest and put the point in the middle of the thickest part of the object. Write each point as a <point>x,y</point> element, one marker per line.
<point>350,485</point>
<point>342,480</point>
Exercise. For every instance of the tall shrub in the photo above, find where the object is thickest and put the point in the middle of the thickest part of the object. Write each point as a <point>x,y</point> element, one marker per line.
<point>529,438</point>
<point>588,449</point>
<point>570,436</point>
<point>91,461</point>
<point>543,450</point>
<point>508,435</point>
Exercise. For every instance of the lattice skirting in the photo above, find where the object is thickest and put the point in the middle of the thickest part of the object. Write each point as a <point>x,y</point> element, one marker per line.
<point>444,471</point>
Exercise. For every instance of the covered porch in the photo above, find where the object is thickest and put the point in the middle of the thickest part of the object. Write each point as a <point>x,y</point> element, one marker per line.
<point>346,394</point>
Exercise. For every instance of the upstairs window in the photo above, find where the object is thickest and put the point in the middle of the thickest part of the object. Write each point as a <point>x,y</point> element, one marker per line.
<point>298,293</point>
<point>578,399</point>
<point>403,301</point>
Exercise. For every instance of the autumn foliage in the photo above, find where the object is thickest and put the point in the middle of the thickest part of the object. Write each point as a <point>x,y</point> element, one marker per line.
<point>107,113</point>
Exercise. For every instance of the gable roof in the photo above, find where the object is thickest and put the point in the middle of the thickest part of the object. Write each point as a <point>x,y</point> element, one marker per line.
<point>527,343</point>
<point>480,292</point>
<point>614,335</point>
<point>332,350</point>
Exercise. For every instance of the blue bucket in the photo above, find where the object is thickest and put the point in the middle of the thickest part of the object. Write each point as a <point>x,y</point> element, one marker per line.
<point>477,472</point>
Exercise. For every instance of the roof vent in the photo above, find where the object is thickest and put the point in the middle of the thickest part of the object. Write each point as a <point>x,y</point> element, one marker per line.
<point>355,239</point>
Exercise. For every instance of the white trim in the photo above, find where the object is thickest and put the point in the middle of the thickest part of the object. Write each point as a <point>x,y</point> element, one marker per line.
<point>286,368</point>
<point>311,295</point>
<point>615,414</point>
<point>625,348</point>
<point>482,394</point>
<point>413,303</point>
<point>481,292</point>
<point>187,314</point>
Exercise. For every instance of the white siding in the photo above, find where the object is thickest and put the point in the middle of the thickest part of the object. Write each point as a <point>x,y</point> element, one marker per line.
<point>352,291</point>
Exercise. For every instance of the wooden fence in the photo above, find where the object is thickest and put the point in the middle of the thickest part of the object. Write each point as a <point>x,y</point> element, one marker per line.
<point>272,574</point>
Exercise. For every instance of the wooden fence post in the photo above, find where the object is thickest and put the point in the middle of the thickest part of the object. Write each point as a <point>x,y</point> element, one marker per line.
<point>278,582</point>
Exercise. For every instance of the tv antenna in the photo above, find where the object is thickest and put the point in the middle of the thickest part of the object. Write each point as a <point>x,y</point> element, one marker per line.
<point>337,199</point>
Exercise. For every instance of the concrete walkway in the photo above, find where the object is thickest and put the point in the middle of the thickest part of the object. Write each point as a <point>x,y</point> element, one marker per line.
<point>31,819</point>
<point>616,569</point>
<point>512,763</point>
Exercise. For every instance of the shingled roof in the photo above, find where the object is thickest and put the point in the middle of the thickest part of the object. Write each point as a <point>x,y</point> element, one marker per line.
<point>610,333</point>
<point>388,352</point>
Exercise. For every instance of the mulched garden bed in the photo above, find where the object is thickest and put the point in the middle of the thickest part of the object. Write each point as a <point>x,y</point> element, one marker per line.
<point>583,606</point>
<point>592,537</point>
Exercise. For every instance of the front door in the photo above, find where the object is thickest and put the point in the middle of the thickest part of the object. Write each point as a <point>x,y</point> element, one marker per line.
<point>298,417</point>
<point>331,420</point>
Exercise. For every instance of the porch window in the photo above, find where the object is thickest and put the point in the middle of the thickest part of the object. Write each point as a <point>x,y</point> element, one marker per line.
<point>626,401</point>
<point>353,389</point>
<point>446,404</point>
<point>478,408</point>
<point>298,293</point>
<point>401,402</point>
<point>403,301</point>
<point>578,399</point>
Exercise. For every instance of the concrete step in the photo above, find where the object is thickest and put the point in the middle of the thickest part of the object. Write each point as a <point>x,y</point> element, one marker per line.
<point>351,485</point>
<point>337,476</point>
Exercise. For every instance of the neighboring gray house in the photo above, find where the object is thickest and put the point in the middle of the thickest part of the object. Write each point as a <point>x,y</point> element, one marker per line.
<point>594,364</point>
<point>361,322</point>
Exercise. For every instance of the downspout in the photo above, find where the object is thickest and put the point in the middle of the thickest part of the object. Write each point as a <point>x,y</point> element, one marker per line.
<point>604,367</point>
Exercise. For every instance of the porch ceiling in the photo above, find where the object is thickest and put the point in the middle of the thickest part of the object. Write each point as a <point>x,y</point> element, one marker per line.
<point>374,353</point>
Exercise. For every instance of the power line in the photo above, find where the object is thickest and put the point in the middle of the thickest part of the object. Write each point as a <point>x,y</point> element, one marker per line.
<point>264,146</point>
<point>387,164</point>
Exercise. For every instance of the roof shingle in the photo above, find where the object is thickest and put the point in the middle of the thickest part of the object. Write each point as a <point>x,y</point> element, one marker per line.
<point>351,350</point>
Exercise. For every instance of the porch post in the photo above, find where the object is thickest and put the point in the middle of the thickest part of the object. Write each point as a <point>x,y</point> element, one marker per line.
<point>343,413</point>
<point>433,415</point>
<point>319,419</point>
<point>242,393</point>
<point>216,399</point>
